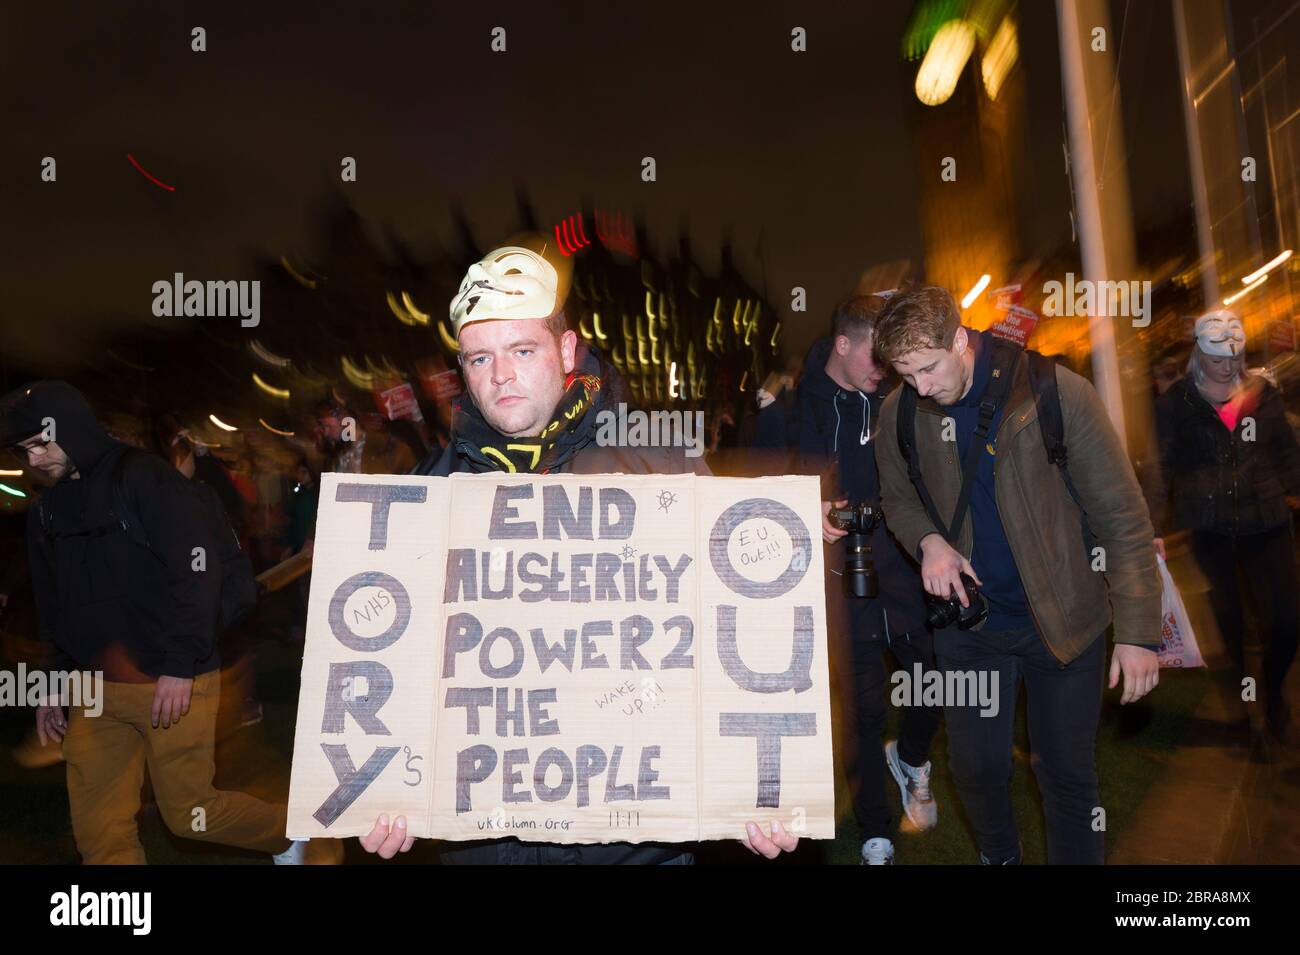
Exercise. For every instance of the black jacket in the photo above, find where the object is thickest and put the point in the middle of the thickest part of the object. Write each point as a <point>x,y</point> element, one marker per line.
<point>1213,480</point>
<point>827,429</point>
<point>106,602</point>
<point>831,432</point>
<point>586,457</point>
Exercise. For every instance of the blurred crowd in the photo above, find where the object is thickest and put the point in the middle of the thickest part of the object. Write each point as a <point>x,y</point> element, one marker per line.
<point>1220,502</point>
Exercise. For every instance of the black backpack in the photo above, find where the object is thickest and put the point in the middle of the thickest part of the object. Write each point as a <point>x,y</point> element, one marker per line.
<point>1051,423</point>
<point>238,583</point>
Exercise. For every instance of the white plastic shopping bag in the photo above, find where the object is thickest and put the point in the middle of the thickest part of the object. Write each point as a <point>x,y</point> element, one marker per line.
<point>1177,641</point>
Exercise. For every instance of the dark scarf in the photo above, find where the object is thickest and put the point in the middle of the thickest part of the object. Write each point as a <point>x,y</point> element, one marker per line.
<point>572,428</point>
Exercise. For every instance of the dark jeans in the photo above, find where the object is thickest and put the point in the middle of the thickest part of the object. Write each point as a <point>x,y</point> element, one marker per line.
<point>1064,707</point>
<point>858,629</point>
<point>1266,564</point>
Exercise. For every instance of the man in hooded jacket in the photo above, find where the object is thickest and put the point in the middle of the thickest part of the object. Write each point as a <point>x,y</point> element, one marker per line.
<point>139,605</point>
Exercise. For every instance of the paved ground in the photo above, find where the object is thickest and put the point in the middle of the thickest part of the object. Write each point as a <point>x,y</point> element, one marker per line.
<point>1214,805</point>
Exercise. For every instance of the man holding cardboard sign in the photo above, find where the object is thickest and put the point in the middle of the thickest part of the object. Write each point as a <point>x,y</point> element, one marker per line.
<point>619,663</point>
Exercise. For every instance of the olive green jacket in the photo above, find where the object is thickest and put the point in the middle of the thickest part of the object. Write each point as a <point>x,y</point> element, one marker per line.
<point>1074,593</point>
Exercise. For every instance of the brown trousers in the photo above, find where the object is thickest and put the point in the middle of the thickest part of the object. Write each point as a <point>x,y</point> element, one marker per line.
<point>107,755</point>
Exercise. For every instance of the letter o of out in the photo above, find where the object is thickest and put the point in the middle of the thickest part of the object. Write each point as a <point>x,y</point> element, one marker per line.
<point>732,518</point>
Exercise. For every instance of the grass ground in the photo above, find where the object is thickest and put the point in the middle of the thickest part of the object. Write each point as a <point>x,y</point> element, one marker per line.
<point>1131,744</point>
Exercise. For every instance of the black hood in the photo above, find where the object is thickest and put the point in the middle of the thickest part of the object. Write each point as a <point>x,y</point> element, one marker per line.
<point>77,431</point>
<point>614,387</point>
<point>823,385</point>
<point>814,369</point>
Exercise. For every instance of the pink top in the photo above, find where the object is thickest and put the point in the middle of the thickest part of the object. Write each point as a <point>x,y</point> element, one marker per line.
<point>1235,408</point>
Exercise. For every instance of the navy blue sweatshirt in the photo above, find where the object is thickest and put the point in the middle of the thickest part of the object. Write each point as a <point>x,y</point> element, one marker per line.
<point>831,432</point>
<point>991,555</point>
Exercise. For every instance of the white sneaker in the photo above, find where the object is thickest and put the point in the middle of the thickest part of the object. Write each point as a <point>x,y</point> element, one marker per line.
<point>294,855</point>
<point>914,785</point>
<point>311,852</point>
<point>878,851</point>
<point>251,714</point>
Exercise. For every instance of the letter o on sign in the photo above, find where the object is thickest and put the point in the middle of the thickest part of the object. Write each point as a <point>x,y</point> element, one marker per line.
<point>401,613</point>
<point>736,515</point>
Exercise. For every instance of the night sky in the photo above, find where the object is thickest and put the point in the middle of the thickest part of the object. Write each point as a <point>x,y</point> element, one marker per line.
<point>812,151</point>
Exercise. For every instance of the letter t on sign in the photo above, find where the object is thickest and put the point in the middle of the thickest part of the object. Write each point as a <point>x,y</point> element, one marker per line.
<point>768,728</point>
<point>380,497</point>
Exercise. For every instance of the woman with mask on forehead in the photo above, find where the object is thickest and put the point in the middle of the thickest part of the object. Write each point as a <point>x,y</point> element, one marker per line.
<point>1231,470</point>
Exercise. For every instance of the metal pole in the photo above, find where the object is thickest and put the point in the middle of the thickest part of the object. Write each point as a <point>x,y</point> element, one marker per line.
<point>1243,138</point>
<point>1092,245</point>
<point>1196,161</point>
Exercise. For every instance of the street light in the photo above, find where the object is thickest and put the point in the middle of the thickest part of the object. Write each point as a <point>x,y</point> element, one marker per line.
<point>1000,57</point>
<point>1249,288</point>
<point>974,293</point>
<point>1266,268</point>
<point>944,61</point>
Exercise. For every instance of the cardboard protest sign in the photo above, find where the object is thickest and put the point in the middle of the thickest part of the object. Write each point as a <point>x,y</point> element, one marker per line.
<point>1016,325</point>
<point>1006,296</point>
<point>1281,336</point>
<point>399,402</point>
<point>565,659</point>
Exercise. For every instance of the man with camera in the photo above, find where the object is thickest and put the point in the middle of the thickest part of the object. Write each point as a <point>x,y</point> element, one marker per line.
<point>1053,552</point>
<point>873,591</point>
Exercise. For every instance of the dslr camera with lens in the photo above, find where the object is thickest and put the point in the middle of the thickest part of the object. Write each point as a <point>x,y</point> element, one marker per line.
<point>860,520</point>
<point>947,611</point>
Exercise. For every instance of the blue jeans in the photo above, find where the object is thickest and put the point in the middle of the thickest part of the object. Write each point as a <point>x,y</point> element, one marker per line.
<point>1064,708</point>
